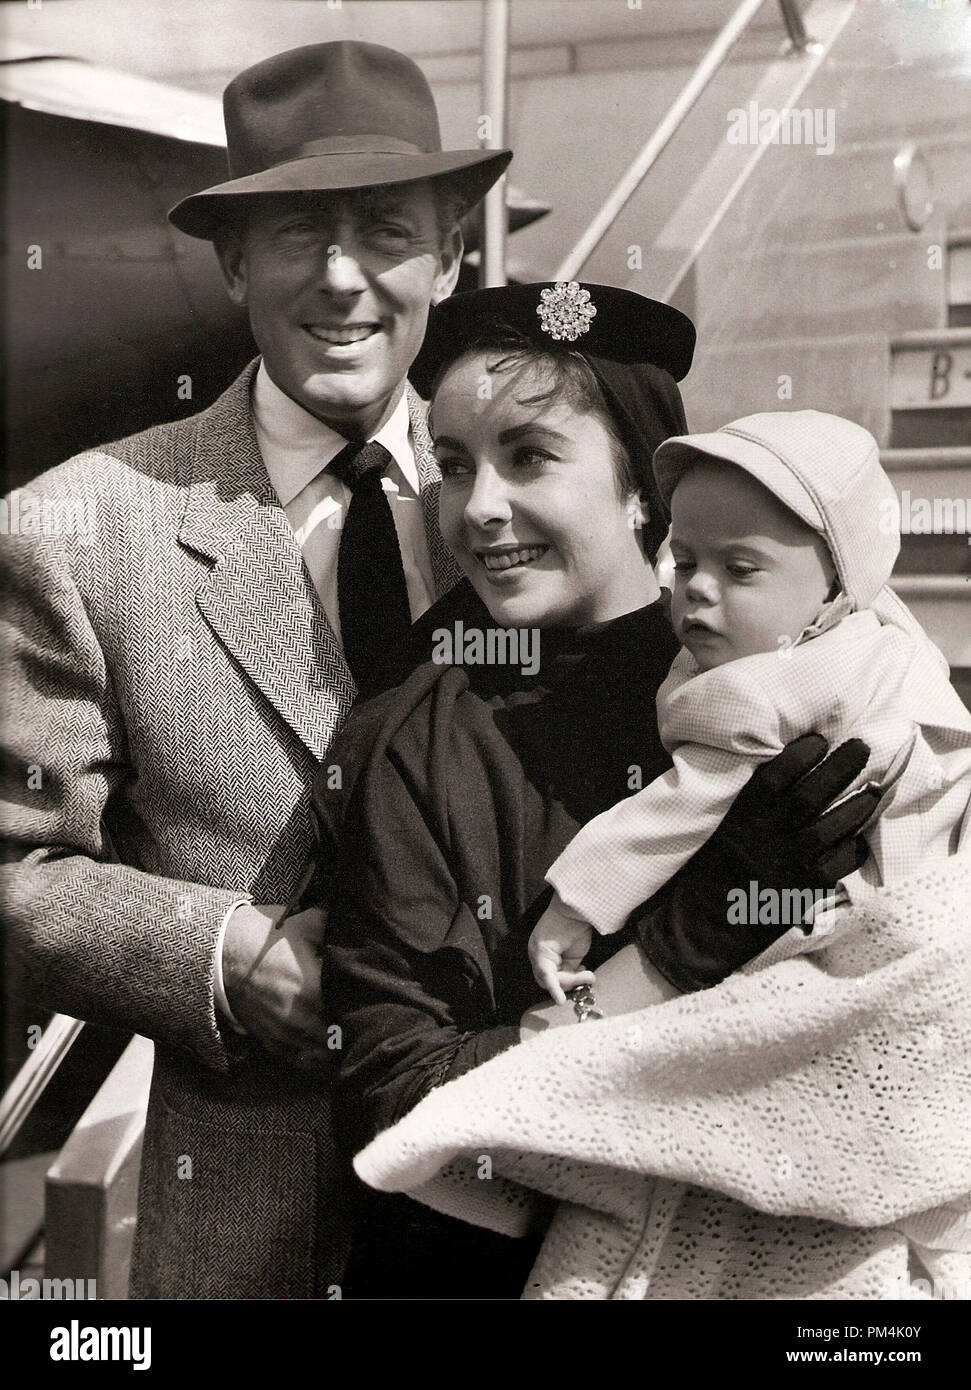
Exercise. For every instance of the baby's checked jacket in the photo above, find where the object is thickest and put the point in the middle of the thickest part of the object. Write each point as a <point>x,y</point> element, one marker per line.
<point>873,676</point>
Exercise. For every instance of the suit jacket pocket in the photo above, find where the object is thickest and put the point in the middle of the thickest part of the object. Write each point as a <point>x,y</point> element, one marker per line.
<point>225,1213</point>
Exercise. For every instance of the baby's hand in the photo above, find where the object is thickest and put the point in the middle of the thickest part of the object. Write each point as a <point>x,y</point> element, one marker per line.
<point>557,945</point>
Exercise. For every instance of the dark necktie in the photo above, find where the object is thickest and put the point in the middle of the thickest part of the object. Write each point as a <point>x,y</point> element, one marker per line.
<point>371,592</point>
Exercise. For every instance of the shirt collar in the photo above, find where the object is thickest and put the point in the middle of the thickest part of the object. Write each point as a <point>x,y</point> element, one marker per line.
<point>296,445</point>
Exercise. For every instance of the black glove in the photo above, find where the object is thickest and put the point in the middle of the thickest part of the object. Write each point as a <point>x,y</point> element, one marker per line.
<point>778,833</point>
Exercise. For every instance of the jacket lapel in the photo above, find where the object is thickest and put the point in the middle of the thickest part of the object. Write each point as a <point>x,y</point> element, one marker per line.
<point>444,567</point>
<point>258,598</point>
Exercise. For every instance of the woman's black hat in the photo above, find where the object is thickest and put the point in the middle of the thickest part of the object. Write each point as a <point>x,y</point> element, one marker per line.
<point>599,321</point>
<point>637,347</point>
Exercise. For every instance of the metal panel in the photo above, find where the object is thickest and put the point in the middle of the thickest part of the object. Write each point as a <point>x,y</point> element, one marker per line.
<point>92,1187</point>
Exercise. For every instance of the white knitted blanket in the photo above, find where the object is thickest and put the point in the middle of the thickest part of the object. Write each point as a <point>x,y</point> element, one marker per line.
<point>801,1131</point>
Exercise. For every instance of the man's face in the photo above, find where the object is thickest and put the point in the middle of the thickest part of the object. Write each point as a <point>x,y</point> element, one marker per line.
<point>338,289</point>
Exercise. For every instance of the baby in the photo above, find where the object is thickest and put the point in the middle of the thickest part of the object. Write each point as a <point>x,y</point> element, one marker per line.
<point>784,534</point>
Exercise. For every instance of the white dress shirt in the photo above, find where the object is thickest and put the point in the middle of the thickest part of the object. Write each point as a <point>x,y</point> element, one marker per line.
<point>296,448</point>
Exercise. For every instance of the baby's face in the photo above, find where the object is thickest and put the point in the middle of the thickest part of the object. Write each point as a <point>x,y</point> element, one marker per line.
<point>749,575</point>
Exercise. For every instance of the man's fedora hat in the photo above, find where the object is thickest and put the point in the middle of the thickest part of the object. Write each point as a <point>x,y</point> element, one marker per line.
<point>333,116</point>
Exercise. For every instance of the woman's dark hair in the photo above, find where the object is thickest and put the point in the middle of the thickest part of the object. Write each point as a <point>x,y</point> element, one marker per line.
<point>566,375</point>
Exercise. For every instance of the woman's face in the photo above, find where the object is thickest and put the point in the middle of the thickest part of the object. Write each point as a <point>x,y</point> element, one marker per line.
<point>530,503</point>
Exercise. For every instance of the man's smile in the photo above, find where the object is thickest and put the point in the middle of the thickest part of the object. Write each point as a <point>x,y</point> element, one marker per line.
<point>347,335</point>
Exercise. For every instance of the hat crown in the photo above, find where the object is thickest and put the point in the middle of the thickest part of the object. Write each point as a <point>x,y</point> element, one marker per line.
<point>345,94</point>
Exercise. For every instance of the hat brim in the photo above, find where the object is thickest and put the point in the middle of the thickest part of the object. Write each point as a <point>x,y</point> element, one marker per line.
<point>675,456</point>
<point>470,173</point>
<point>521,211</point>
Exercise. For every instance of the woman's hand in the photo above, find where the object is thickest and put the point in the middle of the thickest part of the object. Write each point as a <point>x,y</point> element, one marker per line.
<point>780,833</point>
<point>624,983</point>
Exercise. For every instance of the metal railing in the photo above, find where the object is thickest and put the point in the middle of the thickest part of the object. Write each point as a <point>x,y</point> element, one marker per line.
<point>495,90</point>
<point>645,160</point>
<point>33,1078</point>
<point>796,29</point>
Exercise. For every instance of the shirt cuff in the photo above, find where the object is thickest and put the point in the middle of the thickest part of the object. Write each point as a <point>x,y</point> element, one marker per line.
<point>218,985</point>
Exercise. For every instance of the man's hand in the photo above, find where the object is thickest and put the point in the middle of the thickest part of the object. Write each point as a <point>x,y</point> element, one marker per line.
<point>557,945</point>
<point>272,980</point>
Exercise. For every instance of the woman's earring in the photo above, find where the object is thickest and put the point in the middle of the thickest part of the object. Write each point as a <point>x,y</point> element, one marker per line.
<point>638,513</point>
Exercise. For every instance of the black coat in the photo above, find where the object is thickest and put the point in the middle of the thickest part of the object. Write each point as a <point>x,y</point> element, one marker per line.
<point>457,790</point>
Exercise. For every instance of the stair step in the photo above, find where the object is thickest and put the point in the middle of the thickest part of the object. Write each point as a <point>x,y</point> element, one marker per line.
<point>944,428</point>
<point>930,387</point>
<point>942,606</point>
<point>940,553</point>
<point>934,488</point>
<point>940,472</point>
<point>931,370</point>
<point>821,288</point>
<point>733,376</point>
<point>959,271</point>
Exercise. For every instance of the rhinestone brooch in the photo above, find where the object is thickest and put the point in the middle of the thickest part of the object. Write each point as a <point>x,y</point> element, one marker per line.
<point>565,311</point>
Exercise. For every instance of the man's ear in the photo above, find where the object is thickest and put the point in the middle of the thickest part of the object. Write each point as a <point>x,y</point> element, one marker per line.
<point>451,263</point>
<point>228,245</point>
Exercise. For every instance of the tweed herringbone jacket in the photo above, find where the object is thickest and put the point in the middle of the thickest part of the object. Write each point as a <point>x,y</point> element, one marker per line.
<point>171,685</point>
